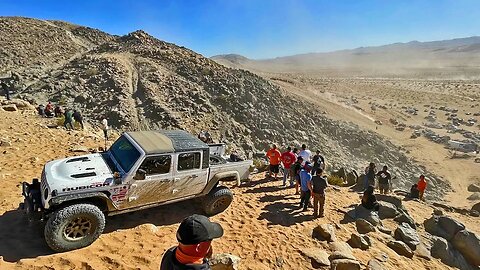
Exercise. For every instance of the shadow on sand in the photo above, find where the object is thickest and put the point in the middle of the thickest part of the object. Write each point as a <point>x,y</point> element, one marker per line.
<point>21,239</point>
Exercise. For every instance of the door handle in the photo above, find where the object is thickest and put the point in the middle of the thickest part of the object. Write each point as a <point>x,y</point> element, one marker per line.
<point>194,176</point>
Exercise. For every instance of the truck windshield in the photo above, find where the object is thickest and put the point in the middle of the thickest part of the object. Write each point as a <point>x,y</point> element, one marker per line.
<point>124,153</point>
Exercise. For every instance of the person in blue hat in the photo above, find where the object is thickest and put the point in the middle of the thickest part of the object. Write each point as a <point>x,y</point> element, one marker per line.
<point>305,185</point>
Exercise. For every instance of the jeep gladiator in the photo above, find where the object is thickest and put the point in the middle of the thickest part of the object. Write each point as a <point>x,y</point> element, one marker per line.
<point>141,169</point>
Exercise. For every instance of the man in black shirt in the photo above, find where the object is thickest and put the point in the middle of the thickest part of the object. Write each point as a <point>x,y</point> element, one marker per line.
<point>384,180</point>
<point>318,162</point>
<point>194,236</point>
<point>319,184</point>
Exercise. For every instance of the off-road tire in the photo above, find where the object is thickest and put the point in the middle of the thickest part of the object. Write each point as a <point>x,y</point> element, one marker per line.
<point>60,222</point>
<point>217,200</point>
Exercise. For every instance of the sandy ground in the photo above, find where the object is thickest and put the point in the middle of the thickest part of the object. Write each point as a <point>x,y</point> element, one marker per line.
<point>263,226</point>
<point>351,100</point>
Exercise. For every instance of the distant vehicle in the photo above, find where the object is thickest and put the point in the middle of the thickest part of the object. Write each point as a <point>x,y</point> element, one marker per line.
<point>466,147</point>
<point>141,170</point>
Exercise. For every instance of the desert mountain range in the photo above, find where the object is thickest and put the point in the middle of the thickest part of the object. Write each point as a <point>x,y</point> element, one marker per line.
<point>447,58</point>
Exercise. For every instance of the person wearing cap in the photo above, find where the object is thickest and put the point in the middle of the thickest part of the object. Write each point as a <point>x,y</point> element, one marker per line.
<point>305,185</point>
<point>297,167</point>
<point>194,236</point>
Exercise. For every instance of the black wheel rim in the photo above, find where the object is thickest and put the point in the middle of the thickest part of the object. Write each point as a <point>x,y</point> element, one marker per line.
<point>78,229</point>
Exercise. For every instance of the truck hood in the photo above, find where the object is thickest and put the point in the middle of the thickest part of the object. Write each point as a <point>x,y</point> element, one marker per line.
<point>77,173</point>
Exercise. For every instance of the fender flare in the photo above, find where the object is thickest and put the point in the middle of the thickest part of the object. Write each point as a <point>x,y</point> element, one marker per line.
<point>57,201</point>
<point>218,177</point>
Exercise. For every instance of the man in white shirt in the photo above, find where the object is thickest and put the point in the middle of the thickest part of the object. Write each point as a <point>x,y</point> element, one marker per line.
<point>105,128</point>
<point>305,153</point>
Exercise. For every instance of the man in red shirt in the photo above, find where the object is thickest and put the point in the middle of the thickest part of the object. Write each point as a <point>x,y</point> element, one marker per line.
<point>288,158</point>
<point>421,185</point>
<point>274,157</point>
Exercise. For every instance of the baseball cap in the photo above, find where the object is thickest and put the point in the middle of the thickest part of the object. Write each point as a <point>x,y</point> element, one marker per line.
<point>196,229</point>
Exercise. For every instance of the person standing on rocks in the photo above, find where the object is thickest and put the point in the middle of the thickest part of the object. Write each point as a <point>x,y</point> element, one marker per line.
<point>384,180</point>
<point>318,162</point>
<point>105,131</point>
<point>274,157</point>
<point>78,118</point>
<point>422,186</point>
<point>305,153</point>
<point>305,185</point>
<point>5,89</point>
<point>370,173</point>
<point>194,236</point>
<point>297,167</point>
<point>49,110</point>
<point>319,184</point>
<point>68,119</point>
<point>288,158</point>
<point>369,201</point>
<point>58,111</point>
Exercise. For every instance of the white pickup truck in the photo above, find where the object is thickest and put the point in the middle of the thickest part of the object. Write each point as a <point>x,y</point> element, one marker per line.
<point>141,170</point>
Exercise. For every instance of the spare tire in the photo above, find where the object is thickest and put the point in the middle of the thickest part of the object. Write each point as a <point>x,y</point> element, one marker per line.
<point>217,200</point>
<point>74,227</point>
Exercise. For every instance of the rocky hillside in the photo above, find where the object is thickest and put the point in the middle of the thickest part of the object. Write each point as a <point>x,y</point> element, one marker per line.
<point>140,82</point>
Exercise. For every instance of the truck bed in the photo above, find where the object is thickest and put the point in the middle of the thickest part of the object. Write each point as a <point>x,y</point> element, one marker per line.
<point>220,164</point>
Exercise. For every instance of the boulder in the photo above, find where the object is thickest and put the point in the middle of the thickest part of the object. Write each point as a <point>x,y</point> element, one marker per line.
<point>437,212</point>
<point>476,207</point>
<point>341,250</point>
<point>423,252</point>
<point>474,188</point>
<point>364,226</point>
<point>10,108</point>
<point>224,261</point>
<point>374,264</point>
<point>400,248</point>
<point>345,264</point>
<point>359,241</point>
<point>474,213</point>
<point>384,230</point>
<point>387,210</point>
<point>5,143</point>
<point>450,226</point>
<point>319,256</point>
<point>368,215</point>
<point>443,250</point>
<point>395,200</point>
<point>467,243</point>
<point>408,235</point>
<point>474,197</point>
<point>324,232</point>
<point>382,257</point>
<point>405,217</point>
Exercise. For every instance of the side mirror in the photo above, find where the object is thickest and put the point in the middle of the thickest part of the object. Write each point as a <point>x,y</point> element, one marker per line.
<point>140,174</point>
<point>117,179</point>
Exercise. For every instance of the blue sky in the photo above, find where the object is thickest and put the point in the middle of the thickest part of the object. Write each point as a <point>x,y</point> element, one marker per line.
<point>266,28</point>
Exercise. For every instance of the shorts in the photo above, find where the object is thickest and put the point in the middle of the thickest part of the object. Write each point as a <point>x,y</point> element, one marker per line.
<point>383,187</point>
<point>275,168</point>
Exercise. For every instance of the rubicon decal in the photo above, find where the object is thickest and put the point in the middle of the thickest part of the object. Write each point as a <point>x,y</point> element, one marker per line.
<point>85,187</point>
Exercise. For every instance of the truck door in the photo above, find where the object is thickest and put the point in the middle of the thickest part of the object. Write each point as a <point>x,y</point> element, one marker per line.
<point>157,185</point>
<point>190,178</point>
